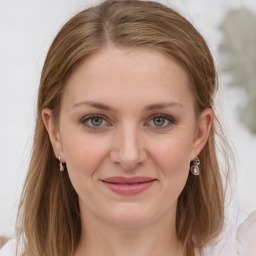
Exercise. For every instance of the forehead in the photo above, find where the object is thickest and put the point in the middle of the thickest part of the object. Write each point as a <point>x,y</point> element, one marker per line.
<point>131,74</point>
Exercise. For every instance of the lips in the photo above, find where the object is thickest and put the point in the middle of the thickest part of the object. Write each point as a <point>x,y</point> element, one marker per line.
<point>125,180</point>
<point>128,186</point>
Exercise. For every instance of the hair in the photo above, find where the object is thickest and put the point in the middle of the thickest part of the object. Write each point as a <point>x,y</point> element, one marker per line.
<point>48,215</point>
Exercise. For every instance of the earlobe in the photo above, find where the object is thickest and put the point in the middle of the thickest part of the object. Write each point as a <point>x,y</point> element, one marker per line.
<point>53,132</point>
<point>202,131</point>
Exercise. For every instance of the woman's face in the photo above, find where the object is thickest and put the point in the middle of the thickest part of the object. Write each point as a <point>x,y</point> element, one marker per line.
<point>127,133</point>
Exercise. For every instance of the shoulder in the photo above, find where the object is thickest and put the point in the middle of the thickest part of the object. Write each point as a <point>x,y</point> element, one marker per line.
<point>9,249</point>
<point>246,236</point>
<point>239,241</point>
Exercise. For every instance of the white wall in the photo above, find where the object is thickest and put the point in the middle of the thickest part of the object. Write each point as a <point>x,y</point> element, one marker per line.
<point>26,30</point>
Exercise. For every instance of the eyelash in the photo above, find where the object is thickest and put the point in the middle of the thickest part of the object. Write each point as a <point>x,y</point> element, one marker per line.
<point>167,118</point>
<point>90,117</point>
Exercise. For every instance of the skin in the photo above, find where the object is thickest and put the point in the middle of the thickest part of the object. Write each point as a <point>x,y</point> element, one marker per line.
<point>129,141</point>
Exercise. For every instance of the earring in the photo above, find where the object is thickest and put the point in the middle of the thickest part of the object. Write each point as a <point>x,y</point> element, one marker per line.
<point>61,165</point>
<point>195,167</point>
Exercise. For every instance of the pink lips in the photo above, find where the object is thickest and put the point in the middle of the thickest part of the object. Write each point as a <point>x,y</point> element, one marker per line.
<point>128,186</point>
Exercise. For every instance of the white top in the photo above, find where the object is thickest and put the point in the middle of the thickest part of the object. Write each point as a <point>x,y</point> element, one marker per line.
<point>241,242</point>
<point>246,236</point>
<point>9,249</point>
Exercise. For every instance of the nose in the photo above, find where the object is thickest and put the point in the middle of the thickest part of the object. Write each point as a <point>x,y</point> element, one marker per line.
<point>127,149</point>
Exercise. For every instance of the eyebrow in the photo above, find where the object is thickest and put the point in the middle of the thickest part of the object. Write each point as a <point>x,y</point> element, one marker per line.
<point>101,106</point>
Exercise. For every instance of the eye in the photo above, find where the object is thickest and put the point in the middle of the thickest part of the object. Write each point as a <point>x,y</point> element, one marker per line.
<point>159,121</point>
<point>162,121</point>
<point>94,121</point>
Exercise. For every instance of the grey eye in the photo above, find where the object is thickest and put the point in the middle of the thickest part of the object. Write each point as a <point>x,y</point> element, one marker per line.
<point>162,121</point>
<point>96,121</point>
<point>159,121</point>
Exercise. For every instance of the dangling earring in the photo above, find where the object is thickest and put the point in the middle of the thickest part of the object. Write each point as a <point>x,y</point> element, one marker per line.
<point>61,165</point>
<point>195,167</point>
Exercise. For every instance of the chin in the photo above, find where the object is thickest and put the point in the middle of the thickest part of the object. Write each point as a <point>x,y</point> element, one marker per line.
<point>131,216</point>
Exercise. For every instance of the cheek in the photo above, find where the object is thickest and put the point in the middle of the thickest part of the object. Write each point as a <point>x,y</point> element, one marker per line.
<point>175,170</point>
<point>83,156</point>
<point>173,158</point>
<point>83,153</point>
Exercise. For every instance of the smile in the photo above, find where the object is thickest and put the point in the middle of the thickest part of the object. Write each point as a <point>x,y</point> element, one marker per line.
<point>128,186</point>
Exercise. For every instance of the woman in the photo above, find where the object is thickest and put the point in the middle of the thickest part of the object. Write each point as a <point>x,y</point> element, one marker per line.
<point>126,114</point>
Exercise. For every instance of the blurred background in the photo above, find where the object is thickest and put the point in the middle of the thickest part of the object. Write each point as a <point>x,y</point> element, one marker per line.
<point>26,30</point>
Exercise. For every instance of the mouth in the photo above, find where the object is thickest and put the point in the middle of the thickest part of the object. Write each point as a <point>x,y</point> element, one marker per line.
<point>128,186</point>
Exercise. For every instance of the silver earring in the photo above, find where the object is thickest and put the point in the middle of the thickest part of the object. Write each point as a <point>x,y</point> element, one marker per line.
<point>195,166</point>
<point>61,165</point>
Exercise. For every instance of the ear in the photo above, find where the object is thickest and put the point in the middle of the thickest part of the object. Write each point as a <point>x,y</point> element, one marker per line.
<point>53,132</point>
<point>204,124</point>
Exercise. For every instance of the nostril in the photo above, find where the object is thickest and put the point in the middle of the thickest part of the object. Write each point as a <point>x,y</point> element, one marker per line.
<point>128,159</point>
<point>127,166</point>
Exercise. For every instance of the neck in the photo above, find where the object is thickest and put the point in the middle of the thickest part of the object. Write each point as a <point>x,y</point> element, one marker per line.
<point>99,238</point>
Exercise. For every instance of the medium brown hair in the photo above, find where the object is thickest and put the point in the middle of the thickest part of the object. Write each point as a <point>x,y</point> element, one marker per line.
<point>49,210</point>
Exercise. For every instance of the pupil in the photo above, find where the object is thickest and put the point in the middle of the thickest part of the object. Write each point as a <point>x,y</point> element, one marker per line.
<point>97,121</point>
<point>159,121</point>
